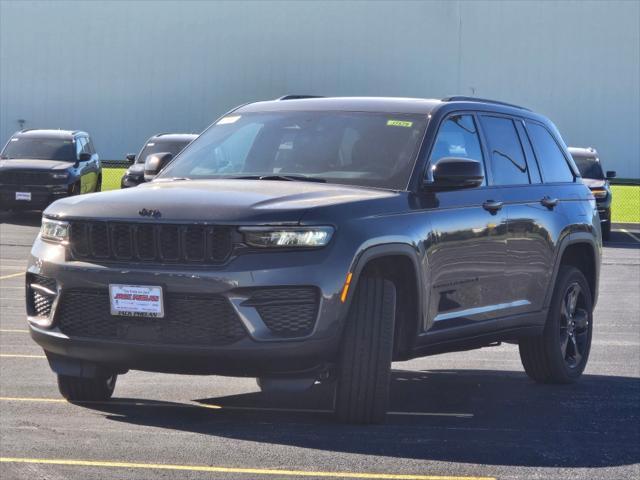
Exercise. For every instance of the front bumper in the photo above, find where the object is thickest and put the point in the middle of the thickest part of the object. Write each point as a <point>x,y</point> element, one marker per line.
<point>604,211</point>
<point>258,353</point>
<point>41,196</point>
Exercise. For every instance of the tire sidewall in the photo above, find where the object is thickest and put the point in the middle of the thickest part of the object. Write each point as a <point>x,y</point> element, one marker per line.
<point>566,277</point>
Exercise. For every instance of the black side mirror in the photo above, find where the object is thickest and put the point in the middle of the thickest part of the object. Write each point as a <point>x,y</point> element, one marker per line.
<point>154,163</point>
<point>453,173</point>
<point>131,157</point>
<point>84,157</point>
<point>611,174</point>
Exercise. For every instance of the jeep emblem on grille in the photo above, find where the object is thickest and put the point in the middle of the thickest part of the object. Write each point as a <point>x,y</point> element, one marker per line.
<point>150,213</point>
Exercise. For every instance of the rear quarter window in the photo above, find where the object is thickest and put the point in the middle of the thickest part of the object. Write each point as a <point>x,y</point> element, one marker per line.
<point>552,161</point>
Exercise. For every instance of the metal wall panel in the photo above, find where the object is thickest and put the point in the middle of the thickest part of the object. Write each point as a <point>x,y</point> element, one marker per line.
<point>126,70</point>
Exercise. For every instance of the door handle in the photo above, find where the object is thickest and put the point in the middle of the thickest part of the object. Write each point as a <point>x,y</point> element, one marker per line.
<point>549,202</point>
<point>492,206</point>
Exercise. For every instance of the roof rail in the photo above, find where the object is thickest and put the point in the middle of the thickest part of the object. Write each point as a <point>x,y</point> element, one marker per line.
<point>299,97</point>
<point>462,98</point>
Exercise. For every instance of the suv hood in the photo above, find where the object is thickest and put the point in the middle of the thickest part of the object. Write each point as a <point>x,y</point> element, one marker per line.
<point>35,164</point>
<point>221,201</point>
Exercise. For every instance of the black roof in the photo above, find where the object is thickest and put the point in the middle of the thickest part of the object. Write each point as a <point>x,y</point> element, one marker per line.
<point>173,137</point>
<point>49,133</point>
<point>418,106</point>
<point>356,104</point>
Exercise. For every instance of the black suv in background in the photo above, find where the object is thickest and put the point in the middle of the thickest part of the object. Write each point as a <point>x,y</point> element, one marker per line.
<point>593,177</point>
<point>172,143</point>
<point>40,166</point>
<point>318,240</point>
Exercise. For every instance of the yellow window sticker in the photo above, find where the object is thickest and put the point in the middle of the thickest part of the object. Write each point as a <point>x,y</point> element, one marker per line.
<point>228,120</point>
<point>399,123</point>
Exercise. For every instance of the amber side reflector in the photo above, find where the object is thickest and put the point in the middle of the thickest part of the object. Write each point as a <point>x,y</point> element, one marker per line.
<point>345,288</point>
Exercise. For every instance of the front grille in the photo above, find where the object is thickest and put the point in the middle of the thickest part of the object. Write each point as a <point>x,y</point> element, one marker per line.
<point>153,243</point>
<point>287,312</point>
<point>189,320</point>
<point>25,177</point>
<point>41,295</point>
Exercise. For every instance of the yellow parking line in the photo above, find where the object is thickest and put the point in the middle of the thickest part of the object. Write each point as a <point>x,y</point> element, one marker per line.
<point>143,403</point>
<point>20,355</point>
<point>12,275</point>
<point>12,330</point>
<point>245,471</point>
<point>637,239</point>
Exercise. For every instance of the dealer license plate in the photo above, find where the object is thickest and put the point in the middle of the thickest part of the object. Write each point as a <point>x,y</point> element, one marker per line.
<point>25,196</point>
<point>136,301</point>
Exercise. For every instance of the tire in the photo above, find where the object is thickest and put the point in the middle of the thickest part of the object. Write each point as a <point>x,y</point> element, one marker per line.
<point>362,390</point>
<point>606,230</point>
<point>99,184</point>
<point>560,354</point>
<point>75,189</point>
<point>76,389</point>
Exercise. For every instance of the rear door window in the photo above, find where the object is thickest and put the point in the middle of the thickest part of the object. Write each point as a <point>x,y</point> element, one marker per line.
<point>534,170</point>
<point>508,164</point>
<point>552,161</point>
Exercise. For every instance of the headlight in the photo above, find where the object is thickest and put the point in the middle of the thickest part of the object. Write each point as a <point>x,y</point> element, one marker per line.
<point>287,237</point>
<point>599,192</point>
<point>60,175</point>
<point>54,230</point>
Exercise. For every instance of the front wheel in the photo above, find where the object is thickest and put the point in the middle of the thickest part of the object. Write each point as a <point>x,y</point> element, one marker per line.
<point>560,353</point>
<point>77,389</point>
<point>364,372</point>
<point>606,230</point>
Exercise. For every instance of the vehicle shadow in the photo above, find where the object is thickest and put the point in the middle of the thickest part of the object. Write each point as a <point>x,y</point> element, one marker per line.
<point>467,416</point>
<point>27,218</point>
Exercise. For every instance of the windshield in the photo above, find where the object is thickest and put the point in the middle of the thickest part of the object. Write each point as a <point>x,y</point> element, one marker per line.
<point>154,146</point>
<point>40,149</point>
<point>589,168</point>
<point>351,148</point>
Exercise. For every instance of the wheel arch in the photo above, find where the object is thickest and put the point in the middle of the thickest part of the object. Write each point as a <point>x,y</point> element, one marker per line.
<point>400,264</point>
<point>581,251</point>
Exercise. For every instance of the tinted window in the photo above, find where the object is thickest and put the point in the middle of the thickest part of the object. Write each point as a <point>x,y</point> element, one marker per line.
<point>508,165</point>
<point>589,167</point>
<point>90,148</point>
<point>154,146</point>
<point>352,148</point>
<point>40,149</point>
<point>85,147</point>
<point>534,170</point>
<point>550,158</point>
<point>457,137</point>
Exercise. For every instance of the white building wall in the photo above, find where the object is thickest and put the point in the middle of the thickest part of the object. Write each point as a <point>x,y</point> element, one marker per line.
<point>126,70</point>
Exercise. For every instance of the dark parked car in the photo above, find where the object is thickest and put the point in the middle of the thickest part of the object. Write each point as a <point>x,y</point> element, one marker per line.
<point>318,240</point>
<point>40,166</point>
<point>172,143</point>
<point>593,177</point>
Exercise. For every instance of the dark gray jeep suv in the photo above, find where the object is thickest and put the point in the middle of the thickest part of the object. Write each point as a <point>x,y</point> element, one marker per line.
<point>320,239</point>
<point>38,167</point>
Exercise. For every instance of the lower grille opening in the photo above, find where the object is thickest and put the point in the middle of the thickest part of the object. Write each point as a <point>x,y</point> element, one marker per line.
<point>42,292</point>
<point>189,320</point>
<point>287,312</point>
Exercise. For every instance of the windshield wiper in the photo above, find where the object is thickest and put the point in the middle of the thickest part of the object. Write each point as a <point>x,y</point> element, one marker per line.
<point>289,178</point>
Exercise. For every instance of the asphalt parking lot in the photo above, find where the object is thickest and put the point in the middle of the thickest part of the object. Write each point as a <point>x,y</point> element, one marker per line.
<point>461,415</point>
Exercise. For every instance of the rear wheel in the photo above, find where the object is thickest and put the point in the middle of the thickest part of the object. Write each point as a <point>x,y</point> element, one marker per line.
<point>77,389</point>
<point>365,362</point>
<point>561,352</point>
